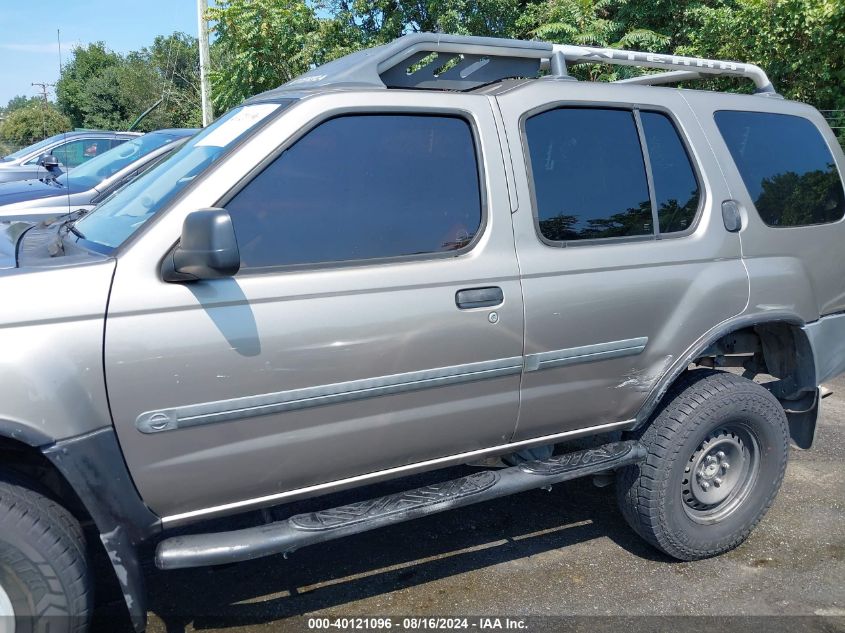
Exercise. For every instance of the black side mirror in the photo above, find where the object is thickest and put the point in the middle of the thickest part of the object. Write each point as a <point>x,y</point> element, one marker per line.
<point>207,250</point>
<point>49,162</point>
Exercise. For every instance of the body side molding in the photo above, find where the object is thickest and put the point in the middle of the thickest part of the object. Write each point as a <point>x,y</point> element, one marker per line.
<point>296,399</point>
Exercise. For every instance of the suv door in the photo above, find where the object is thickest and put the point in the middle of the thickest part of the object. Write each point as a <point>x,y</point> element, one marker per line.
<point>340,348</point>
<point>625,261</point>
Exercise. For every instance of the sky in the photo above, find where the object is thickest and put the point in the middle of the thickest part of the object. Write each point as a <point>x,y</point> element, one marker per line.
<point>29,50</point>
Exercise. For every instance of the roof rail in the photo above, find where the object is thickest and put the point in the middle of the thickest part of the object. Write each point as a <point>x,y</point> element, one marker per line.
<point>456,62</point>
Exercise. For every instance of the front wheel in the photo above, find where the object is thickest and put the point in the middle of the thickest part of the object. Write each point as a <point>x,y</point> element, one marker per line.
<point>44,581</point>
<point>717,452</point>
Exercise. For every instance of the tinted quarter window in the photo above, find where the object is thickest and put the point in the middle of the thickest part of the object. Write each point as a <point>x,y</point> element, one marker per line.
<point>675,186</point>
<point>363,187</point>
<point>589,175</point>
<point>786,166</point>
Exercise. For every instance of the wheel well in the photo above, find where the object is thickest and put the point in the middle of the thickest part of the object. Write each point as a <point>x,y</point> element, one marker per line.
<point>31,463</point>
<point>777,349</point>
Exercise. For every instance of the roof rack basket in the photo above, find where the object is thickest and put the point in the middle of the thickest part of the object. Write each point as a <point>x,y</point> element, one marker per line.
<point>455,62</point>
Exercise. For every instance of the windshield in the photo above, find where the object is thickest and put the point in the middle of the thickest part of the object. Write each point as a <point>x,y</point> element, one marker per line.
<point>92,172</point>
<point>113,221</point>
<point>33,148</point>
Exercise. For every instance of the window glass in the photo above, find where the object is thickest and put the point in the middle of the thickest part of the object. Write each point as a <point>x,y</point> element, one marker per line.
<point>97,169</point>
<point>35,147</point>
<point>120,215</point>
<point>675,185</point>
<point>589,175</point>
<point>786,166</point>
<point>75,153</point>
<point>362,187</point>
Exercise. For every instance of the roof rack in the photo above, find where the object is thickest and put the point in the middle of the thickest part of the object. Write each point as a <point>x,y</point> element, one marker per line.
<point>455,62</point>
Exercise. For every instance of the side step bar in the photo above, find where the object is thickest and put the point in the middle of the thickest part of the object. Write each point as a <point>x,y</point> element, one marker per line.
<point>219,548</point>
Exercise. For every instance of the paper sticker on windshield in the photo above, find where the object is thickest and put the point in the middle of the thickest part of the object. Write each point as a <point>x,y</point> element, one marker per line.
<point>232,128</point>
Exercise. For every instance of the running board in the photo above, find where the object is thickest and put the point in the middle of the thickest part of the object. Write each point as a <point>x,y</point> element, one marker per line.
<point>299,531</point>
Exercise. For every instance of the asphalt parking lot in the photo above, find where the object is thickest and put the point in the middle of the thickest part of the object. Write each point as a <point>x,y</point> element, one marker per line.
<point>567,552</point>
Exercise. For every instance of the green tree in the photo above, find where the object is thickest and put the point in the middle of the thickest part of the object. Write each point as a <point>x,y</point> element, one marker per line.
<point>176,59</point>
<point>261,44</point>
<point>18,102</point>
<point>101,89</point>
<point>32,123</point>
<point>118,94</point>
<point>87,63</point>
<point>379,21</point>
<point>589,23</point>
<point>800,44</point>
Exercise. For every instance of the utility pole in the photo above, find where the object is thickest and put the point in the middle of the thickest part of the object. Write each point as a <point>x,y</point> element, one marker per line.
<point>202,27</point>
<point>46,103</point>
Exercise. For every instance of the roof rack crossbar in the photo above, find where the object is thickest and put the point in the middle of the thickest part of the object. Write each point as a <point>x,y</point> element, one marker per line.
<point>467,62</point>
<point>696,65</point>
<point>657,79</point>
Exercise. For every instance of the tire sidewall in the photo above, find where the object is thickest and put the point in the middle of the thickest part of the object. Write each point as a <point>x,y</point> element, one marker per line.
<point>32,587</point>
<point>30,578</point>
<point>757,416</point>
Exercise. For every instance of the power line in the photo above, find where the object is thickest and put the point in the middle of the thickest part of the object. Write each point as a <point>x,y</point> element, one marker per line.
<point>44,89</point>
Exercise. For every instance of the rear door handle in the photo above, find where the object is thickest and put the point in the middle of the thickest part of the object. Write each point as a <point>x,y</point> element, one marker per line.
<point>479,297</point>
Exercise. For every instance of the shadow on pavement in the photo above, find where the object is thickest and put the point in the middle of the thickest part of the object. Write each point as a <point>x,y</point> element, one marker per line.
<point>332,574</point>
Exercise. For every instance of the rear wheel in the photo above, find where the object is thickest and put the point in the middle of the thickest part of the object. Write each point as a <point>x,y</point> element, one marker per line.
<point>717,452</point>
<point>44,579</point>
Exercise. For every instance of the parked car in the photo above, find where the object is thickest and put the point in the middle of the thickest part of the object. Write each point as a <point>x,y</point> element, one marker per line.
<point>380,269</point>
<point>71,149</point>
<point>91,182</point>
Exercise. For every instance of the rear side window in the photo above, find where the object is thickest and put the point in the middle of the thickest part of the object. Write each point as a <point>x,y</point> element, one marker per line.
<point>589,175</point>
<point>786,166</point>
<point>675,187</point>
<point>590,179</point>
<point>363,187</point>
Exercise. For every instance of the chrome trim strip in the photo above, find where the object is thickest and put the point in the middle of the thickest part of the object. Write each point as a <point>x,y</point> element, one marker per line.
<point>585,354</point>
<point>296,399</point>
<point>431,464</point>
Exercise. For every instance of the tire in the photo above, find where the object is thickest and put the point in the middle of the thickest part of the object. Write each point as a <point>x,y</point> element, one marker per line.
<point>44,577</point>
<point>687,498</point>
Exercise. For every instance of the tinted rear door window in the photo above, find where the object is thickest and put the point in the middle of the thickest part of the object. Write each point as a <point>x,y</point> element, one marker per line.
<point>786,166</point>
<point>588,174</point>
<point>363,187</point>
<point>675,186</point>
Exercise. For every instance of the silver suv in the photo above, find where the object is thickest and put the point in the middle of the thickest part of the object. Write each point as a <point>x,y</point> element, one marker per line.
<point>420,255</point>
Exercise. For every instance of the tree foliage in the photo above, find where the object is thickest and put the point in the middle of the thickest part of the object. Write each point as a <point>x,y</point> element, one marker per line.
<point>19,101</point>
<point>261,44</point>
<point>33,122</point>
<point>87,63</point>
<point>800,43</point>
<point>102,89</point>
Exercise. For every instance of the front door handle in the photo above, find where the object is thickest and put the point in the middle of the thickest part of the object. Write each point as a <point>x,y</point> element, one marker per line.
<point>479,297</point>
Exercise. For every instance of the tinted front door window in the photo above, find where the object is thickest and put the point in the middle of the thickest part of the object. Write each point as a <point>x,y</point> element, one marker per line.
<point>363,187</point>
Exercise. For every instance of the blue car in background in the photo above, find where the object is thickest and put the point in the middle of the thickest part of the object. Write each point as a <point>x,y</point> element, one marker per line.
<point>71,149</point>
<point>92,181</point>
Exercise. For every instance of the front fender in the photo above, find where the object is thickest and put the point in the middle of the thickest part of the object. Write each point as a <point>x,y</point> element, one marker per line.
<point>52,324</point>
